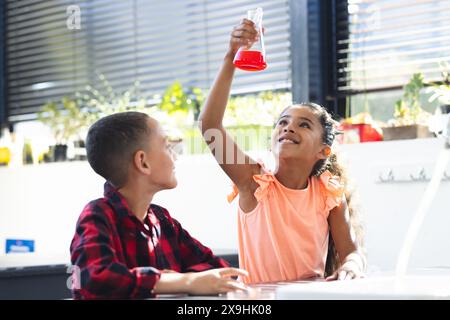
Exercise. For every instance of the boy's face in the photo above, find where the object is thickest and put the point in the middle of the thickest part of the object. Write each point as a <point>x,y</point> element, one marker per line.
<point>161,158</point>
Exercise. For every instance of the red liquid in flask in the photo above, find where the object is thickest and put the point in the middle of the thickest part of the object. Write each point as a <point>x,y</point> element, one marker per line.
<point>249,60</point>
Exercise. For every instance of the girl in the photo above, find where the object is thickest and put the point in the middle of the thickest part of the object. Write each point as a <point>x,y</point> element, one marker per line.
<point>285,217</point>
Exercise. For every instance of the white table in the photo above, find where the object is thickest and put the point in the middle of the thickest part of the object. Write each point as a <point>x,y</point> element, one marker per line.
<point>422,284</point>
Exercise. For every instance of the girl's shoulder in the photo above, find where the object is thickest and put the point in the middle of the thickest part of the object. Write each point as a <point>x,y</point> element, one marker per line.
<point>331,189</point>
<point>263,177</point>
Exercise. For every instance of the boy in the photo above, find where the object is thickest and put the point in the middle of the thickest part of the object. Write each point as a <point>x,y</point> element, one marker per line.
<point>126,247</point>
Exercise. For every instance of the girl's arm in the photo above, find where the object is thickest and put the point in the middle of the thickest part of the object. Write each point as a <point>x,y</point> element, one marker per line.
<point>236,164</point>
<point>353,261</point>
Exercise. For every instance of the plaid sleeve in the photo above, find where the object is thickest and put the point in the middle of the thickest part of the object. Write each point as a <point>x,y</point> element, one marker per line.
<point>195,256</point>
<point>98,274</point>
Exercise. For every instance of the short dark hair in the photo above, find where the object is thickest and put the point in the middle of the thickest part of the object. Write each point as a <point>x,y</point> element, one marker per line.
<point>112,141</point>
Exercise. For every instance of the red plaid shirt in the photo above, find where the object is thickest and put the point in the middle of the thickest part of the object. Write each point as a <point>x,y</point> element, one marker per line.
<point>117,256</point>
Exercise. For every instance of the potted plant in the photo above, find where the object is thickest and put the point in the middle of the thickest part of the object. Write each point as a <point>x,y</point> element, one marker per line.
<point>182,103</point>
<point>441,91</point>
<point>241,114</point>
<point>410,120</point>
<point>69,118</point>
<point>66,121</point>
<point>102,99</point>
<point>182,108</point>
<point>250,118</point>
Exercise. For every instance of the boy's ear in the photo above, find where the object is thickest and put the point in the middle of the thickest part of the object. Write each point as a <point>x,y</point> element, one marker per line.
<point>325,152</point>
<point>141,162</point>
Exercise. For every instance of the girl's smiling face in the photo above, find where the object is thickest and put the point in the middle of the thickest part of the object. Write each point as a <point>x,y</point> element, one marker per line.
<point>298,135</point>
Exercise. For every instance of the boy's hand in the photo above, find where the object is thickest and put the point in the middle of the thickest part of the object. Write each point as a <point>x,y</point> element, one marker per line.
<point>215,281</point>
<point>244,34</point>
<point>168,271</point>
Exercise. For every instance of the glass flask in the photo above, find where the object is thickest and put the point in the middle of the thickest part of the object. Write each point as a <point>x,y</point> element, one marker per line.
<point>253,58</point>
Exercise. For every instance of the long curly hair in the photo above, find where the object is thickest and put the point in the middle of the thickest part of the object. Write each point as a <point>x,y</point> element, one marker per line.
<point>329,126</point>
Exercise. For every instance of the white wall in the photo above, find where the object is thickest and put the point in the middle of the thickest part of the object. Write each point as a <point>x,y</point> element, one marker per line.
<point>42,202</point>
<point>389,207</point>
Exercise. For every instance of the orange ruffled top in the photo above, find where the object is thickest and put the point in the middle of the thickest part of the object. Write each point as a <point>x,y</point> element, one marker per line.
<point>286,236</point>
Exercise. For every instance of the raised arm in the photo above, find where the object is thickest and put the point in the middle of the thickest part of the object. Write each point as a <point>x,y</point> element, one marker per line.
<point>236,164</point>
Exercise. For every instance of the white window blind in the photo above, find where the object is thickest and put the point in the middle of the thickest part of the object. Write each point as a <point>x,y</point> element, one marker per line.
<point>387,41</point>
<point>151,41</point>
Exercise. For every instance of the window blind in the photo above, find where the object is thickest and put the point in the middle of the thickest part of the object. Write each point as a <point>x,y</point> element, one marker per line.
<point>151,41</point>
<point>381,43</point>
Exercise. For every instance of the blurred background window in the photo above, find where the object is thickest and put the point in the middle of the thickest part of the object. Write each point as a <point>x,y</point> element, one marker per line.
<point>385,43</point>
<point>151,41</point>
<point>352,56</point>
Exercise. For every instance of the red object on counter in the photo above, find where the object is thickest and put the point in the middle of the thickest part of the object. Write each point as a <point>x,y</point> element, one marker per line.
<point>364,131</point>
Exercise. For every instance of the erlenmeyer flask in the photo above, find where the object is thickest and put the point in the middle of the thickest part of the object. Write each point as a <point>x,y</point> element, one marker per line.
<point>253,58</point>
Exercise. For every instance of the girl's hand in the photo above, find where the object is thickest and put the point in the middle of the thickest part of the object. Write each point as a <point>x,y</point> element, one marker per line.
<point>350,269</point>
<point>244,34</point>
